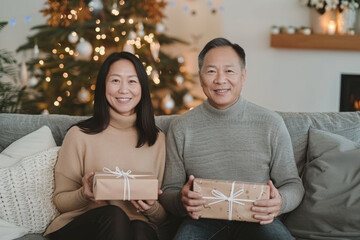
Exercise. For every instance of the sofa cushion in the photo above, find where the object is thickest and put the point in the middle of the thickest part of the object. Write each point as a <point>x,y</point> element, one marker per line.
<point>30,144</point>
<point>330,208</point>
<point>26,190</point>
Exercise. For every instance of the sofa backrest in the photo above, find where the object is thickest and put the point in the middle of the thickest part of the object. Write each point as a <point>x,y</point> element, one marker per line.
<point>347,124</point>
<point>15,126</point>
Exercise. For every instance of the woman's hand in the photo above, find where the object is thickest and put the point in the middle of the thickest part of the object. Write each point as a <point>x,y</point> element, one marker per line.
<point>144,205</point>
<point>87,181</point>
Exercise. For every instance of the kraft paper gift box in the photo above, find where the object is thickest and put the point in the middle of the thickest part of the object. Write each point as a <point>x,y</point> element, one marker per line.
<point>125,185</point>
<point>229,200</point>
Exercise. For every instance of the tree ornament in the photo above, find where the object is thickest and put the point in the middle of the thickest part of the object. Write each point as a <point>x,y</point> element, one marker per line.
<point>179,79</point>
<point>24,73</point>
<point>73,37</point>
<point>155,76</point>
<point>96,6</point>
<point>140,26</point>
<point>180,59</point>
<point>83,95</point>
<point>84,49</point>
<point>132,35</point>
<point>188,99</point>
<point>45,112</point>
<point>140,31</point>
<point>167,104</point>
<point>155,48</point>
<point>36,50</point>
<point>160,28</point>
<point>129,48</point>
<point>33,81</point>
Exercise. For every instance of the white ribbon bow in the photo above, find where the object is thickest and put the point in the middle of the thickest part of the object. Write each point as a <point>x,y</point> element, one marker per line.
<point>126,175</point>
<point>220,197</point>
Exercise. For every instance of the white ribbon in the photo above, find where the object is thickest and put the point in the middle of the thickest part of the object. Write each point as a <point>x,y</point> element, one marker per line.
<point>220,197</point>
<point>126,175</point>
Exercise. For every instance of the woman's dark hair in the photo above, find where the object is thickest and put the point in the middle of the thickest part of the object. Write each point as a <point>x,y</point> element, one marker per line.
<point>145,122</point>
<point>221,42</point>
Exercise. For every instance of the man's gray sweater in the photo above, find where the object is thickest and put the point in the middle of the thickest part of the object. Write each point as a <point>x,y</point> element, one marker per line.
<point>244,142</point>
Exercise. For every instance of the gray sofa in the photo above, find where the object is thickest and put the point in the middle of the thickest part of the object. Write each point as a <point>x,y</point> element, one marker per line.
<point>14,126</point>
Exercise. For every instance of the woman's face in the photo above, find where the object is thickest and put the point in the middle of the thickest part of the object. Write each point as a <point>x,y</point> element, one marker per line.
<point>123,89</point>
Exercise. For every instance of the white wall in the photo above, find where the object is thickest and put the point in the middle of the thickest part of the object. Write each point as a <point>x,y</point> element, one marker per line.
<point>11,37</point>
<point>285,80</point>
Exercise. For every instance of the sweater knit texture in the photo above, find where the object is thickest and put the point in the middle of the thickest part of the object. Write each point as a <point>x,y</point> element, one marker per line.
<point>244,142</point>
<point>115,146</point>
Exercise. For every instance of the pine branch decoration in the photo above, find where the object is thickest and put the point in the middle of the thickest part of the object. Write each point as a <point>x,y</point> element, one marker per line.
<point>154,9</point>
<point>60,10</point>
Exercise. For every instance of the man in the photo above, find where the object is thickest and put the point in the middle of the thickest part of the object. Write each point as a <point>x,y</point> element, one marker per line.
<point>229,138</point>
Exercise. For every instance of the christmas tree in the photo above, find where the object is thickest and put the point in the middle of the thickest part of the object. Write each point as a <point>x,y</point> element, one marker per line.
<point>79,34</point>
<point>11,92</point>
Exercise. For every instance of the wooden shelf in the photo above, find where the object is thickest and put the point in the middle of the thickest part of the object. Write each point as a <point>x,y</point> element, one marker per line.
<point>316,41</point>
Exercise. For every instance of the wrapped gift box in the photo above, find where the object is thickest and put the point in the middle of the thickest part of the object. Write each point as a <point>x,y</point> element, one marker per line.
<point>218,195</point>
<point>121,185</point>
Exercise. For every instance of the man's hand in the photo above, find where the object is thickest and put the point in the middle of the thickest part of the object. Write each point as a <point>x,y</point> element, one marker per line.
<point>192,201</point>
<point>267,209</point>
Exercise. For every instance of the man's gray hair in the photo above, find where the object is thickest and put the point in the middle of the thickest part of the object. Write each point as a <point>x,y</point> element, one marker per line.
<point>221,42</point>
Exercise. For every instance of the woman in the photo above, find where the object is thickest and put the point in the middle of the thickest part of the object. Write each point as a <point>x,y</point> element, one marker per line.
<point>121,133</point>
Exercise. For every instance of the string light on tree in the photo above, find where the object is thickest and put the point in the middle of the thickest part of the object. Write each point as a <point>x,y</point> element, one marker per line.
<point>115,10</point>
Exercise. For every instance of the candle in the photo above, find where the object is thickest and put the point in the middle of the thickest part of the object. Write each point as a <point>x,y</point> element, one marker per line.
<point>331,28</point>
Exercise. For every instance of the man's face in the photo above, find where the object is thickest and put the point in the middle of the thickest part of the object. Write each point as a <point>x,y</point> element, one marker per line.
<point>222,77</point>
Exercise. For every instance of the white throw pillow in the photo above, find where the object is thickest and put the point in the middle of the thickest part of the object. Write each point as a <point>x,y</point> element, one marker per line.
<point>26,191</point>
<point>30,144</point>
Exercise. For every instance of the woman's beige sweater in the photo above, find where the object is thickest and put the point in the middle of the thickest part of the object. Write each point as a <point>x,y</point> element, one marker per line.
<point>82,153</point>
